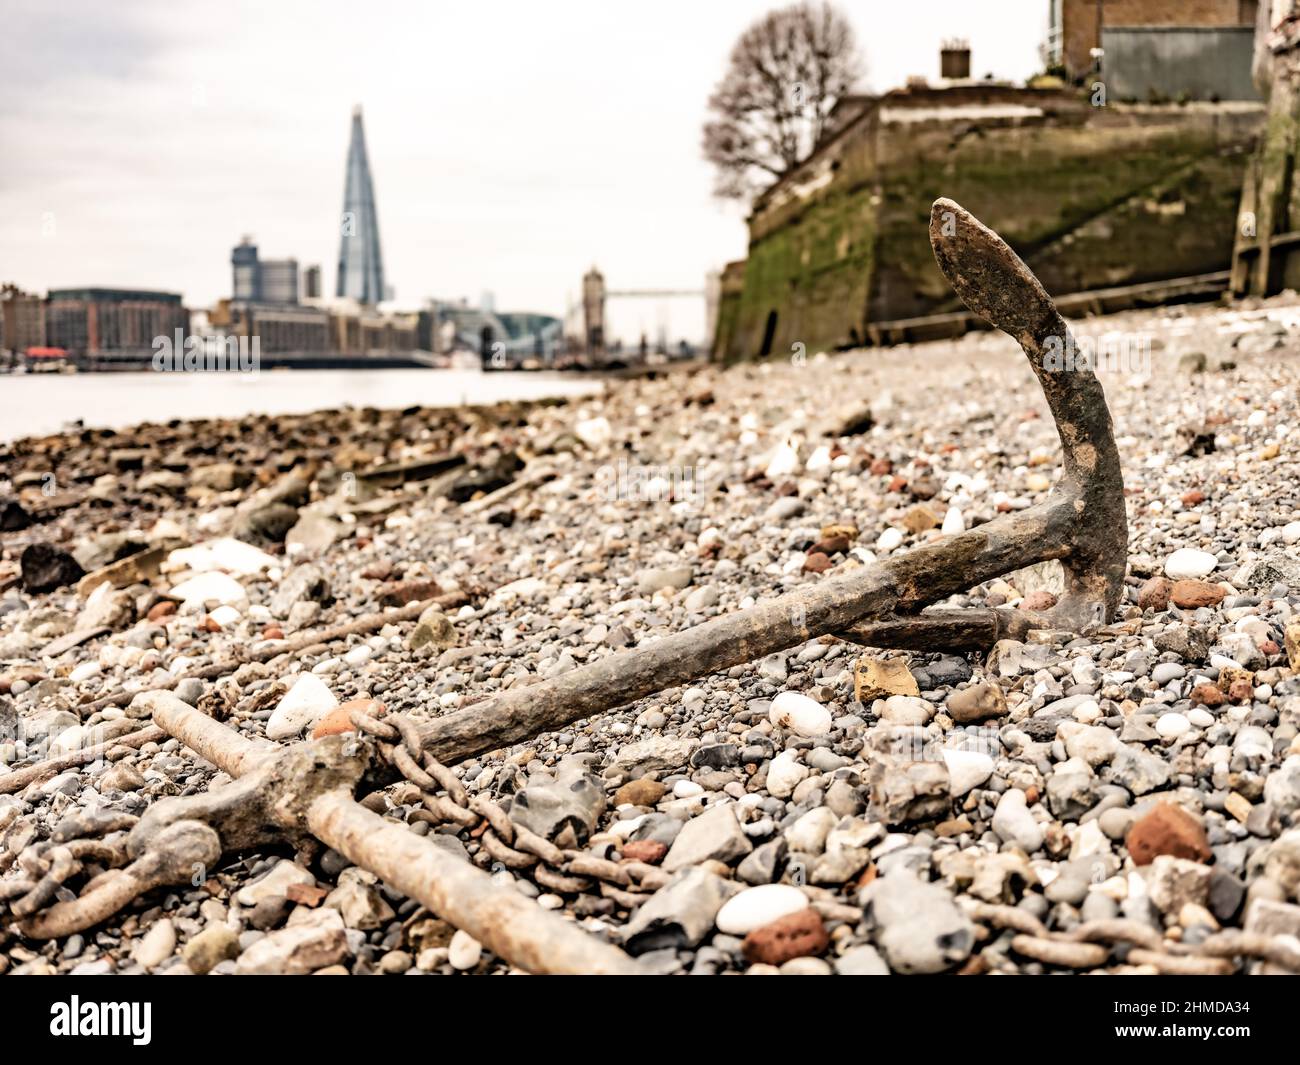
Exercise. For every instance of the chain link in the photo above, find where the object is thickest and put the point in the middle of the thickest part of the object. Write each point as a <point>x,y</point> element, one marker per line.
<point>507,844</point>
<point>1089,945</point>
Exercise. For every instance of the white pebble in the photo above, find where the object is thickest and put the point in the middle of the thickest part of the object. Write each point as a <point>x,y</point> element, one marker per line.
<point>757,906</point>
<point>359,655</point>
<point>890,539</point>
<point>784,461</point>
<point>156,945</point>
<point>803,715</point>
<point>594,432</point>
<point>225,616</point>
<point>694,696</point>
<point>1171,726</point>
<point>211,589</point>
<point>820,459</point>
<point>85,671</point>
<point>966,770</point>
<point>784,774</point>
<point>1189,564</point>
<point>464,951</point>
<point>304,704</point>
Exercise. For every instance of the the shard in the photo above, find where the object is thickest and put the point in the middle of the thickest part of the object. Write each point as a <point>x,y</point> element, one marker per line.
<point>361,267</point>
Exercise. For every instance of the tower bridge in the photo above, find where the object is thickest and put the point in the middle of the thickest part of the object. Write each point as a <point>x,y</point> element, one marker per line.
<point>595,294</point>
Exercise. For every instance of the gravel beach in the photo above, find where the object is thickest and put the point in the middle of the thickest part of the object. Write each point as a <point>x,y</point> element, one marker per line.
<point>833,809</point>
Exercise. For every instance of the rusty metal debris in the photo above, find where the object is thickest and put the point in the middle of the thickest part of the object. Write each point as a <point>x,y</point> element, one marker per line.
<point>306,791</point>
<point>296,793</point>
<point>1092,943</point>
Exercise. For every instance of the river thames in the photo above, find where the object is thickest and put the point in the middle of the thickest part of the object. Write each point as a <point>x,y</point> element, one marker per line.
<point>35,404</point>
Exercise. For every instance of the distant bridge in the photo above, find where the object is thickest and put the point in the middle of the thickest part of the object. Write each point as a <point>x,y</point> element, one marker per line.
<point>594,295</point>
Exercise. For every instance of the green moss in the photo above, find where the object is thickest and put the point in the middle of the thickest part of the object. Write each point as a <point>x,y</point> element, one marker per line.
<point>815,273</point>
<point>1086,207</point>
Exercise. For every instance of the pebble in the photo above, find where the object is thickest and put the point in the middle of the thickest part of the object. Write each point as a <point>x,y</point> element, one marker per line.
<point>876,678</point>
<point>214,944</point>
<point>979,702</point>
<point>904,710</point>
<point>1171,726</point>
<point>298,949</point>
<point>339,720</point>
<point>758,906</point>
<point>808,834</point>
<point>864,960</point>
<point>800,714</point>
<point>967,770</point>
<point>1014,824</point>
<point>211,589</point>
<point>276,882</point>
<point>714,835</point>
<point>919,927</point>
<point>464,951</point>
<point>304,704</point>
<point>1190,564</point>
<point>644,792</point>
<point>157,944</point>
<point>1167,830</point>
<point>798,935</point>
<point>784,774</point>
<point>1192,595</point>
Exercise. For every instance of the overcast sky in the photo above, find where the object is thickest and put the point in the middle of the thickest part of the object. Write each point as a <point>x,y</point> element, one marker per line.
<point>513,143</point>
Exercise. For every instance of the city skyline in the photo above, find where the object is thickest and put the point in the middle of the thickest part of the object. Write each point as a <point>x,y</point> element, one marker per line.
<point>142,155</point>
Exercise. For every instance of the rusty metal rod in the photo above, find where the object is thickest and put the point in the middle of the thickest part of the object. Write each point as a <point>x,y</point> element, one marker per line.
<point>506,922</point>
<point>975,629</point>
<point>895,585</point>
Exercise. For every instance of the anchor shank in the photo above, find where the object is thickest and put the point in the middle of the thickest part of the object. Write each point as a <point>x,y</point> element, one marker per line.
<point>902,584</point>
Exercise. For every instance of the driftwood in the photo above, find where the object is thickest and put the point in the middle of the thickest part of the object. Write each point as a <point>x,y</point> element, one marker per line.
<point>305,790</point>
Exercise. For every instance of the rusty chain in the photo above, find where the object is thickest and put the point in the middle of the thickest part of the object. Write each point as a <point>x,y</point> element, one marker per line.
<point>40,869</point>
<point>35,874</point>
<point>1090,945</point>
<point>509,846</point>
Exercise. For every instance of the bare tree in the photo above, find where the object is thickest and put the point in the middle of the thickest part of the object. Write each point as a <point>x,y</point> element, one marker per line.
<point>786,73</point>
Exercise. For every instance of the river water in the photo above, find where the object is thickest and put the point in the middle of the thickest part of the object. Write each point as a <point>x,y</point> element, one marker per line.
<point>32,404</point>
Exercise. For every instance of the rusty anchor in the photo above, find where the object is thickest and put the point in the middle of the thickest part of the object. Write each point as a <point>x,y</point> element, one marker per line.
<point>305,791</point>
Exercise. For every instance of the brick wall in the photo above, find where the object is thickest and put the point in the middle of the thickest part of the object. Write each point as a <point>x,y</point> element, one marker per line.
<point>1080,31</point>
<point>1178,13</point>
